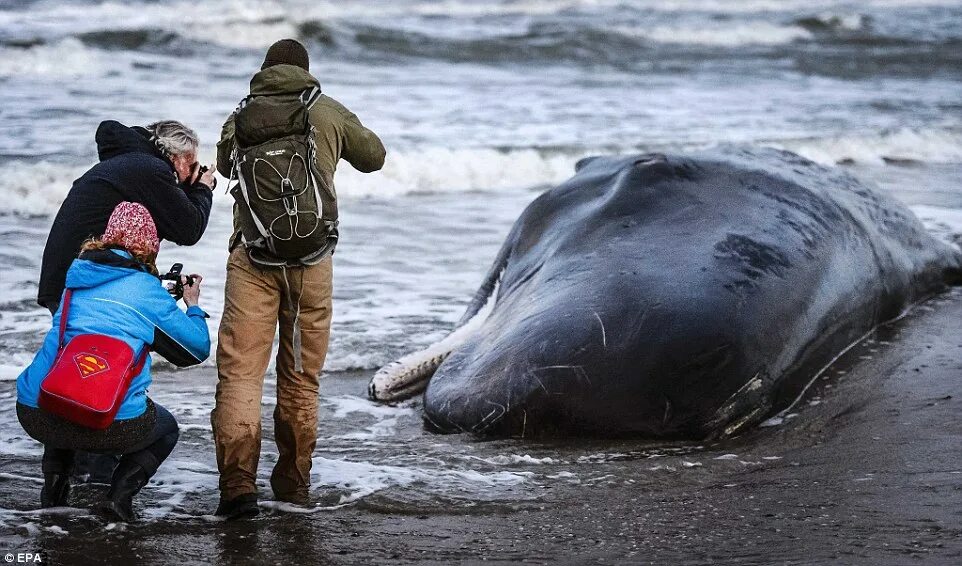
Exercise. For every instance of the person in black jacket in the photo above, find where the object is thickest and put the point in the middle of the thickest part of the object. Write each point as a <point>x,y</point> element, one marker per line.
<point>155,166</point>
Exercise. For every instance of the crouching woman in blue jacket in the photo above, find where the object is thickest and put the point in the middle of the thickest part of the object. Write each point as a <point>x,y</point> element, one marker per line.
<point>113,290</point>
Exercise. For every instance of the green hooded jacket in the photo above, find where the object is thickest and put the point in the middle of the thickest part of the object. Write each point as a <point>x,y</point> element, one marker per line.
<point>338,132</point>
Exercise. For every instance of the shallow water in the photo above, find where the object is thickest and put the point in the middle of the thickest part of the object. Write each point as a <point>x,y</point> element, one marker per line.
<point>375,456</point>
<point>862,471</point>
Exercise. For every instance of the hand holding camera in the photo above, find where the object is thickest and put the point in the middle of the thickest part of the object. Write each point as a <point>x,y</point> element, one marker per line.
<point>191,289</point>
<point>204,174</point>
<point>185,287</point>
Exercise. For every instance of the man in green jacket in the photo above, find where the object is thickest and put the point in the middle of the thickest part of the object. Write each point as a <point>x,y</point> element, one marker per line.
<point>257,298</point>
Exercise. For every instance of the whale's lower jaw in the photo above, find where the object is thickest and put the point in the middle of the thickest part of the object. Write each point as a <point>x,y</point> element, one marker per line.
<point>406,377</point>
<point>409,375</point>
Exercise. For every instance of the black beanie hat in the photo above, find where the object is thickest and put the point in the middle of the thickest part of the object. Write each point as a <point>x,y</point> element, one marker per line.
<point>286,52</point>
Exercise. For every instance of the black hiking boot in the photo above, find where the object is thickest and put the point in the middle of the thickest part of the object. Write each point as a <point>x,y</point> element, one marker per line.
<point>241,507</point>
<point>128,479</point>
<point>56,488</point>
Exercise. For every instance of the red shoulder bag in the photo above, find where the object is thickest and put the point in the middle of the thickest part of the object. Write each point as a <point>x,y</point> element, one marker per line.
<point>90,377</point>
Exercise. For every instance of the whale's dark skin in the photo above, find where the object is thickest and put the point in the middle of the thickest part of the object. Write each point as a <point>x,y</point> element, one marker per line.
<point>681,296</point>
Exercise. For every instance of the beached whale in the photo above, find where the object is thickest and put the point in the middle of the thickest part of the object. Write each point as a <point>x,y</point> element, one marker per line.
<point>673,296</point>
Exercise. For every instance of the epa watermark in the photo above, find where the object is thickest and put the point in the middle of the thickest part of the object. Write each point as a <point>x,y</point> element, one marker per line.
<point>23,558</point>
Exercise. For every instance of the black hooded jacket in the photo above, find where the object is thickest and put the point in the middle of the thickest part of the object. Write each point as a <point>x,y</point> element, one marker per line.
<point>132,169</point>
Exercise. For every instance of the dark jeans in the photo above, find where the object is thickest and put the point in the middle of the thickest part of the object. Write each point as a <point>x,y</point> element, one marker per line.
<point>148,453</point>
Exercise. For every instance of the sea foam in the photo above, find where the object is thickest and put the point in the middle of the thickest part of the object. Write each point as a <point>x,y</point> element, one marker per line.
<point>928,146</point>
<point>62,59</point>
<point>745,33</point>
<point>39,188</point>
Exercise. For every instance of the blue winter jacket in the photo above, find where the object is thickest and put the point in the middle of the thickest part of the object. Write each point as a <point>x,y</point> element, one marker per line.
<point>113,296</point>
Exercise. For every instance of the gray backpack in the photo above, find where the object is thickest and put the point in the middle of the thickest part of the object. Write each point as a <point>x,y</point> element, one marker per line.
<point>287,210</point>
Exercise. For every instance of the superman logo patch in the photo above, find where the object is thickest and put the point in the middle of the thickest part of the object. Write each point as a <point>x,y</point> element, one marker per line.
<point>90,364</point>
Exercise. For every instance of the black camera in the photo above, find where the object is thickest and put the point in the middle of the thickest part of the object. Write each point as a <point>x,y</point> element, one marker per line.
<point>177,289</point>
<point>200,173</point>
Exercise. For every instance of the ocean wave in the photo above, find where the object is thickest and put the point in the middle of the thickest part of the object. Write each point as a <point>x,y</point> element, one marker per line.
<point>859,30</point>
<point>929,146</point>
<point>252,10</point>
<point>726,7</point>
<point>945,223</point>
<point>244,33</point>
<point>732,35</point>
<point>476,32</point>
<point>830,22</point>
<point>436,169</point>
<point>133,25</point>
<point>137,38</point>
<point>659,48</point>
<point>39,188</point>
<point>35,189</point>
<point>836,38</point>
<point>65,58</point>
<point>173,15</point>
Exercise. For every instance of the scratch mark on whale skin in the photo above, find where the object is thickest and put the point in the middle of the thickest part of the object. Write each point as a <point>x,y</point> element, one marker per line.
<point>604,335</point>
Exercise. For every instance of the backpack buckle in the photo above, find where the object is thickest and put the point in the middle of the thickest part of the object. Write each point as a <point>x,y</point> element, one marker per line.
<point>290,205</point>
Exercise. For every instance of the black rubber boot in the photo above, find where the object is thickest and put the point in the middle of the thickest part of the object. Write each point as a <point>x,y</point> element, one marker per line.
<point>56,466</point>
<point>241,507</point>
<point>128,479</point>
<point>55,490</point>
<point>93,468</point>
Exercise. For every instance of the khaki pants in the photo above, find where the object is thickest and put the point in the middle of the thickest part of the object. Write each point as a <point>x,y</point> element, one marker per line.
<point>255,299</point>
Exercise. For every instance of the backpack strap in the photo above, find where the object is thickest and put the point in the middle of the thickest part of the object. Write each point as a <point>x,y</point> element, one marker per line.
<point>141,361</point>
<point>235,173</point>
<point>233,164</point>
<point>310,96</point>
<point>64,312</point>
<point>244,102</point>
<point>233,154</point>
<point>261,229</point>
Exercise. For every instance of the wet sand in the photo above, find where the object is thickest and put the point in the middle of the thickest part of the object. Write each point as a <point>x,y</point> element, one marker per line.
<point>867,472</point>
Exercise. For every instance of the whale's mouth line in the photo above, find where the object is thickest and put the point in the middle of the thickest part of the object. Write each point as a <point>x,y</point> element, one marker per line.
<point>905,312</point>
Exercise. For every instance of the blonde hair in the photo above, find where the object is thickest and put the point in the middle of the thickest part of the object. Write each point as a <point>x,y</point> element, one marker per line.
<point>142,255</point>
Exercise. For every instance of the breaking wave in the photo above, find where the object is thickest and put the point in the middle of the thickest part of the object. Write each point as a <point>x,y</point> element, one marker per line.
<point>745,33</point>
<point>39,188</point>
<point>65,58</point>
<point>31,189</point>
<point>926,146</point>
<point>73,39</point>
